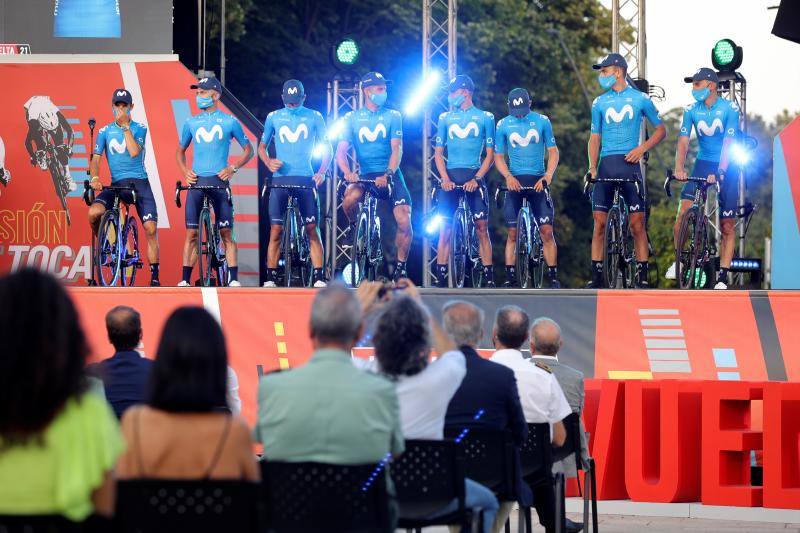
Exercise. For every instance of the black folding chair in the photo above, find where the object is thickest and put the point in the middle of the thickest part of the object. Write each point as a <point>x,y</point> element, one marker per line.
<point>39,524</point>
<point>535,454</point>
<point>428,477</point>
<point>572,446</point>
<point>489,459</point>
<point>319,497</point>
<point>199,506</point>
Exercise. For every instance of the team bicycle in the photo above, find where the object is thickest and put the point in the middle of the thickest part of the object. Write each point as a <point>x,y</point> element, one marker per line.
<point>366,148</point>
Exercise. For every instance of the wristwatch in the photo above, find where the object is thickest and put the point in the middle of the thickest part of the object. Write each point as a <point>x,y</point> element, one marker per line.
<point>235,169</point>
<point>125,128</point>
<point>389,173</point>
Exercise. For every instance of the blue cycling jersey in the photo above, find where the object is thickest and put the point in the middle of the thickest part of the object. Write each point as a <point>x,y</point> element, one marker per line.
<point>371,134</point>
<point>464,132</point>
<point>111,140</point>
<point>212,133</point>
<point>712,124</point>
<point>524,139</point>
<point>296,132</point>
<point>617,117</point>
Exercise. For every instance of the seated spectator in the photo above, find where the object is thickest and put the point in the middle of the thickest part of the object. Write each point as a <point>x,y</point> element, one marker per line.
<point>328,410</point>
<point>543,401</point>
<point>186,430</point>
<point>58,442</point>
<point>404,333</point>
<point>488,387</point>
<point>124,374</point>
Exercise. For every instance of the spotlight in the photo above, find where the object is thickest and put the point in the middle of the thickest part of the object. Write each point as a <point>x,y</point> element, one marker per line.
<point>726,56</point>
<point>335,130</point>
<point>740,154</point>
<point>423,92</point>
<point>346,53</point>
<point>319,150</point>
<point>433,224</point>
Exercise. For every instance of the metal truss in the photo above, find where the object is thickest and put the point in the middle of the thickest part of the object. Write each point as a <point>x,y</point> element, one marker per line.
<point>439,48</point>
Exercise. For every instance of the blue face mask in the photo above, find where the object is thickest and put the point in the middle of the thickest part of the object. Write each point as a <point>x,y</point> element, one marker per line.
<point>606,82</point>
<point>378,98</point>
<point>114,111</point>
<point>204,102</point>
<point>455,101</point>
<point>701,94</point>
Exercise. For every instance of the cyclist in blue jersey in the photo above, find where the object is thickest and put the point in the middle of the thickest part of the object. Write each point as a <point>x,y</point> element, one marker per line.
<point>465,130</point>
<point>525,136</point>
<point>296,131</point>
<point>716,123</point>
<point>123,142</point>
<point>211,131</point>
<point>376,133</point>
<point>616,125</point>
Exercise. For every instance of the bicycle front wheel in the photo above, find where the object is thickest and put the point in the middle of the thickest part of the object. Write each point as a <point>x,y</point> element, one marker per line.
<point>206,248</point>
<point>107,255</point>
<point>303,247</point>
<point>537,258</point>
<point>458,249</point>
<point>288,246</point>
<point>686,254</point>
<point>612,258</point>
<point>523,248</point>
<point>131,262</point>
<point>360,251</point>
<point>475,257</point>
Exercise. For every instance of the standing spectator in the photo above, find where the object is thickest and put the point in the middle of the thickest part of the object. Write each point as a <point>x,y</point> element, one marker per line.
<point>546,342</point>
<point>328,410</point>
<point>404,334</point>
<point>124,374</point>
<point>186,430</point>
<point>58,442</point>
<point>542,399</point>
<point>488,387</point>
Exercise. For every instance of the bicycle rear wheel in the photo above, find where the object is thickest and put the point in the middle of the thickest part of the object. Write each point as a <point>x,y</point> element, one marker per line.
<point>131,261</point>
<point>206,248</point>
<point>686,252</point>
<point>220,260</point>
<point>288,248</point>
<point>303,248</point>
<point>375,251</point>
<point>458,249</point>
<point>359,259</point>
<point>107,255</point>
<point>612,257</point>
<point>475,257</point>
<point>537,259</point>
<point>628,274</point>
<point>523,248</point>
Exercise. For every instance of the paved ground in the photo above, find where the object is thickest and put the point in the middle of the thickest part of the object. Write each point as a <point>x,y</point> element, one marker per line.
<point>638,524</point>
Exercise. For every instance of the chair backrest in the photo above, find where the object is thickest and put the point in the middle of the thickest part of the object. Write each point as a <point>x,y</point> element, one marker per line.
<point>428,476</point>
<point>536,452</point>
<point>317,497</point>
<point>156,505</point>
<point>572,445</point>
<point>38,524</point>
<point>490,458</point>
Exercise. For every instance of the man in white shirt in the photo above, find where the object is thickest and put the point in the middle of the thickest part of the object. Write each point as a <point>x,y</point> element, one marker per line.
<point>541,396</point>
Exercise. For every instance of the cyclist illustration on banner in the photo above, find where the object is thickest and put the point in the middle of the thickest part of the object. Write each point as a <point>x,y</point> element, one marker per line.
<point>5,174</point>
<point>49,144</point>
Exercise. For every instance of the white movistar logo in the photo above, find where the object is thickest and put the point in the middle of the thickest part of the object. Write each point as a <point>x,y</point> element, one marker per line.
<point>116,146</point>
<point>635,207</point>
<point>148,216</point>
<point>291,90</point>
<point>705,129</point>
<point>203,135</point>
<point>515,139</point>
<point>286,134</point>
<point>371,135</point>
<point>463,133</point>
<point>544,220</point>
<point>517,101</point>
<point>121,93</point>
<point>617,116</point>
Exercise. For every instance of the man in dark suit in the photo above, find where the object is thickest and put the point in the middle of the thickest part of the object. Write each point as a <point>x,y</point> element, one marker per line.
<point>488,388</point>
<point>124,374</point>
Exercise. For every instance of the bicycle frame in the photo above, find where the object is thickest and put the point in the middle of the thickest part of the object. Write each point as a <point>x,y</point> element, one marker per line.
<point>533,251</point>
<point>294,241</point>
<point>364,263</point>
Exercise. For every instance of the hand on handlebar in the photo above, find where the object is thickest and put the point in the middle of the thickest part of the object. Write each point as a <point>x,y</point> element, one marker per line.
<point>382,181</point>
<point>471,185</point>
<point>680,175</point>
<point>513,184</point>
<point>447,184</point>
<point>96,185</point>
<point>545,180</point>
<point>351,177</point>
<point>711,178</point>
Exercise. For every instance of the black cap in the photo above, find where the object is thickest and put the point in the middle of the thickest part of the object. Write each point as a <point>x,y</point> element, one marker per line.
<point>208,83</point>
<point>612,60</point>
<point>373,78</point>
<point>462,81</point>
<point>519,101</point>
<point>121,95</point>
<point>293,92</point>
<point>702,74</point>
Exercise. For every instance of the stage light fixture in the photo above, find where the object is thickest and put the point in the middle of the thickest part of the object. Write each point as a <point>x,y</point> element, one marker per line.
<point>726,56</point>
<point>423,91</point>
<point>346,53</point>
<point>432,225</point>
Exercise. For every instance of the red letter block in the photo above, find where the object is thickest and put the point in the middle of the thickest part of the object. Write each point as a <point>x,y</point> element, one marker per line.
<point>608,441</point>
<point>782,445</point>
<point>662,440</point>
<point>727,441</point>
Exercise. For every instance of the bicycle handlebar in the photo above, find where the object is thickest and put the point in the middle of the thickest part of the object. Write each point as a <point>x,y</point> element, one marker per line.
<point>588,180</point>
<point>267,187</point>
<point>503,188</point>
<point>180,187</point>
<point>89,196</point>
<point>671,177</point>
